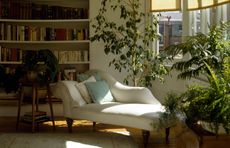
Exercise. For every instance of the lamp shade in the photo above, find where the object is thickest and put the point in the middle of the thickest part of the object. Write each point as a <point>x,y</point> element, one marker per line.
<point>201,4</point>
<point>165,5</point>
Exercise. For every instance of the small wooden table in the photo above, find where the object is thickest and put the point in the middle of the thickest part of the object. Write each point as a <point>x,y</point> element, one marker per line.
<point>35,101</point>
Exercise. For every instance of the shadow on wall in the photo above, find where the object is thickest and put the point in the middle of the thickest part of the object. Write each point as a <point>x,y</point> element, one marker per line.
<point>172,83</point>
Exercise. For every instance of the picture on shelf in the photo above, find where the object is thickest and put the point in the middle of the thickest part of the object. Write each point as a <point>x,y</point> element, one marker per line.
<point>70,74</point>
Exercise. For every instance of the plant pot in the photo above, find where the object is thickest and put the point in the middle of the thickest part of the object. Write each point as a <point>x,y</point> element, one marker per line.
<point>209,127</point>
<point>32,75</point>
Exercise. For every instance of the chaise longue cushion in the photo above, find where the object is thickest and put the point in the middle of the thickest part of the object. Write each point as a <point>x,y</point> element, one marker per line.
<point>83,90</point>
<point>99,91</point>
<point>133,114</point>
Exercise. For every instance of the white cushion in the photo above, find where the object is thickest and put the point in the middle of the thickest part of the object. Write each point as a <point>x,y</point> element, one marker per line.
<point>83,90</point>
<point>66,90</point>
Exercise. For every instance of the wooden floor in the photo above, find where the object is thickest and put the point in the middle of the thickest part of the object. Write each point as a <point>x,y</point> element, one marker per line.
<point>7,125</point>
<point>180,137</point>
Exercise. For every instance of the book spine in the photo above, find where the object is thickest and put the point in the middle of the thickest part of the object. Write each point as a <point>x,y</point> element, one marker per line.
<point>14,32</point>
<point>14,55</point>
<point>2,32</point>
<point>18,33</point>
<point>22,33</point>
<point>0,53</point>
<point>86,59</point>
<point>8,35</point>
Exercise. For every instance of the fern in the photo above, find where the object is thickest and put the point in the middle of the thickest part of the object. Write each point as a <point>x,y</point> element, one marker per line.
<point>211,48</point>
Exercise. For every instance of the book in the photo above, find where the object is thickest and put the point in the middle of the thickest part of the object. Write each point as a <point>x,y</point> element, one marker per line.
<point>8,35</point>
<point>0,53</point>
<point>14,54</point>
<point>60,34</point>
<point>37,119</point>
<point>86,55</point>
<point>2,37</point>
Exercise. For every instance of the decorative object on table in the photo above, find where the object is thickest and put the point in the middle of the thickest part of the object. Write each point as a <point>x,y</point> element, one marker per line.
<point>42,63</point>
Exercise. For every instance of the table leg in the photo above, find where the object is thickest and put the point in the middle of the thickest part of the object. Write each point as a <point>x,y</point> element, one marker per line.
<point>19,106</point>
<point>33,104</point>
<point>51,106</point>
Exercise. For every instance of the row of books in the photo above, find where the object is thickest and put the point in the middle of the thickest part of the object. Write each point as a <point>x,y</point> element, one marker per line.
<point>17,9</point>
<point>31,33</point>
<point>66,57</point>
<point>10,54</point>
<point>39,116</point>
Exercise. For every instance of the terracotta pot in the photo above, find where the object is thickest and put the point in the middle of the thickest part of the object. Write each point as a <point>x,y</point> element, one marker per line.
<point>32,75</point>
<point>209,127</point>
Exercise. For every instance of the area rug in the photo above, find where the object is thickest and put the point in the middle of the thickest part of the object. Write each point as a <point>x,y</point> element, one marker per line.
<point>66,140</point>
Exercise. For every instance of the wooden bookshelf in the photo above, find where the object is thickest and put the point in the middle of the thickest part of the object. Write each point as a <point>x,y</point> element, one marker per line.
<point>38,24</point>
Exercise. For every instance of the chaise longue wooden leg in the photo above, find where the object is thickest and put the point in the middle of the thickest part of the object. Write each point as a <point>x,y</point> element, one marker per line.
<point>69,122</point>
<point>167,132</point>
<point>145,135</point>
<point>94,126</point>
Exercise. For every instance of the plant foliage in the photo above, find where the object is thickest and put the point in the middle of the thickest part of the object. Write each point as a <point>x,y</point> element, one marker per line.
<point>209,48</point>
<point>210,55</point>
<point>130,40</point>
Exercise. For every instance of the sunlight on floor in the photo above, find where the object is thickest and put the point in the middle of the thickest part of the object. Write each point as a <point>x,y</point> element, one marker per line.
<point>72,144</point>
<point>122,131</point>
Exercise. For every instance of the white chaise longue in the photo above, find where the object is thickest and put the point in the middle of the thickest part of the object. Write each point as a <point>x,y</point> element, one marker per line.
<point>134,107</point>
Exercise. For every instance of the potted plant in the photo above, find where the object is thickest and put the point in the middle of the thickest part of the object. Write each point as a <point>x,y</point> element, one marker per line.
<point>210,56</point>
<point>41,64</point>
<point>130,41</point>
<point>9,78</point>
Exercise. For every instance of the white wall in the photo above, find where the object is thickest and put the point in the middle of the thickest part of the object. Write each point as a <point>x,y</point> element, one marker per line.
<point>98,59</point>
<point>171,84</point>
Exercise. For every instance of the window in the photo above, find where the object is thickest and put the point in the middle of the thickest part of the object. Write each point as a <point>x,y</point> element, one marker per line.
<point>174,26</point>
<point>170,28</point>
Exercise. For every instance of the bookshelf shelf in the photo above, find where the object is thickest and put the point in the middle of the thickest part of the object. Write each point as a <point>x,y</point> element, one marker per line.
<point>45,21</point>
<point>57,23</point>
<point>68,63</point>
<point>45,42</point>
<point>10,62</point>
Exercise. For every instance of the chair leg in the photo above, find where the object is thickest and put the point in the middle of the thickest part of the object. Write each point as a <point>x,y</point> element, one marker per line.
<point>145,135</point>
<point>69,122</point>
<point>167,132</point>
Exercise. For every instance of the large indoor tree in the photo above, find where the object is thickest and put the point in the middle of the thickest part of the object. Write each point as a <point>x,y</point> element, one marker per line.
<point>130,39</point>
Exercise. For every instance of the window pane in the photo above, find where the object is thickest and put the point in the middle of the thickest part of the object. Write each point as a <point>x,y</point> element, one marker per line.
<point>170,28</point>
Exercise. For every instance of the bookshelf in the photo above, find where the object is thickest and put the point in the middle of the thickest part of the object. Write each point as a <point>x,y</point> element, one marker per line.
<point>57,25</point>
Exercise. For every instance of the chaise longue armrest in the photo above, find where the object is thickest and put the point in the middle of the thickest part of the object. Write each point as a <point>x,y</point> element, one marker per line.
<point>131,94</point>
<point>69,94</point>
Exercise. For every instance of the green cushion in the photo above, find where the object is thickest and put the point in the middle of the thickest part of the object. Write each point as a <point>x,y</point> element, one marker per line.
<point>82,77</point>
<point>99,91</point>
